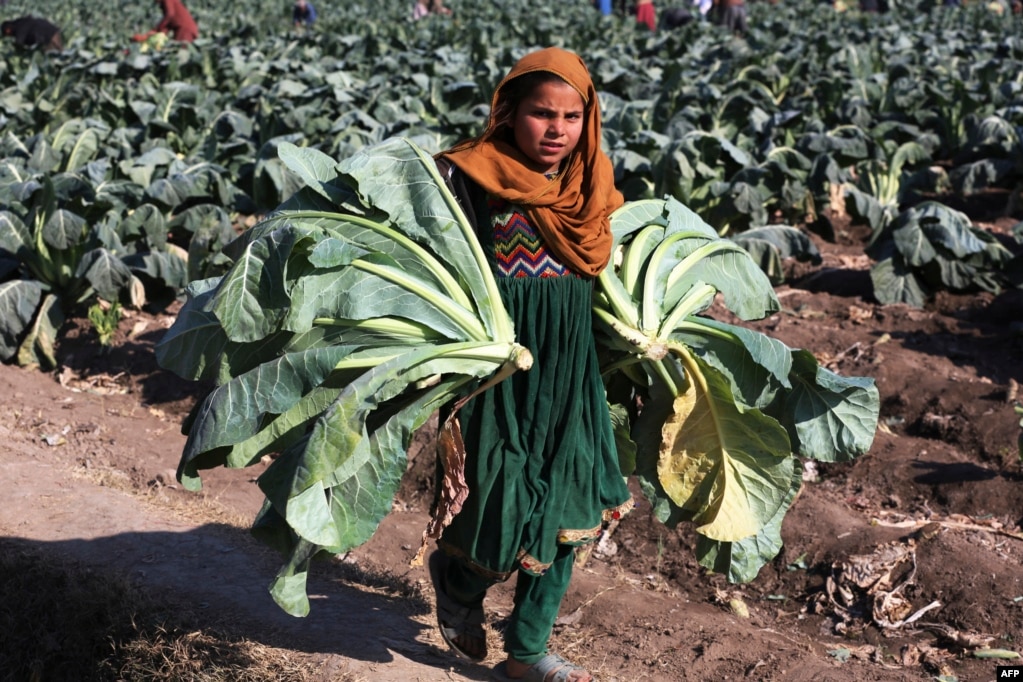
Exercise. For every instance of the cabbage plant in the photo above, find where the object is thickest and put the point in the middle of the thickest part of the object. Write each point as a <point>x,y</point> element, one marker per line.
<point>726,411</point>
<point>366,303</point>
<point>932,247</point>
<point>346,320</point>
<point>55,261</point>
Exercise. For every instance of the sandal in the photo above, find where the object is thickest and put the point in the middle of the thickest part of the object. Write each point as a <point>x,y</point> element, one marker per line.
<point>454,619</point>
<point>538,672</point>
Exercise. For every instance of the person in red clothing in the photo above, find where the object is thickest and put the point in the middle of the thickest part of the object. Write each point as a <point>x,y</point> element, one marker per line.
<point>645,14</point>
<point>176,20</point>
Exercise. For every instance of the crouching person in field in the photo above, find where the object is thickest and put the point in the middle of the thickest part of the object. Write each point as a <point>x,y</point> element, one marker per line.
<point>176,20</point>
<point>29,31</point>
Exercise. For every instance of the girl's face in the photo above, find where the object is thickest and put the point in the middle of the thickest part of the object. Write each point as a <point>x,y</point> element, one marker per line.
<point>548,123</point>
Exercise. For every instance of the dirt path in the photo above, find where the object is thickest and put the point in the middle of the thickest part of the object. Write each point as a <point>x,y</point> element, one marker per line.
<point>83,473</point>
<point>62,498</point>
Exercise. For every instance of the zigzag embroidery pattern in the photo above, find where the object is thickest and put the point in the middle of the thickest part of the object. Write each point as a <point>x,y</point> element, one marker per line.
<point>520,250</point>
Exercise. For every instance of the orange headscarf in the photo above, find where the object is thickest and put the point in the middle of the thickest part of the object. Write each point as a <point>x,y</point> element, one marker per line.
<point>571,212</point>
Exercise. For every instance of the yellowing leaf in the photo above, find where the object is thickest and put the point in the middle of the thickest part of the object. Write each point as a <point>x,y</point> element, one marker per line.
<point>730,468</point>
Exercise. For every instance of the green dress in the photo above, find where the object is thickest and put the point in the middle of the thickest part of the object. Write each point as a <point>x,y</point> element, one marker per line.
<point>541,461</point>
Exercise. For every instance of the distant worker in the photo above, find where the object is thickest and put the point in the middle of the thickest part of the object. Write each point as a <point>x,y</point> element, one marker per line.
<point>29,31</point>
<point>874,6</point>
<point>604,6</point>
<point>423,8</point>
<point>303,13</point>
<point>732,15</point>
<point>675,17</point>
<point>176,20</point>
<point>645,14</point>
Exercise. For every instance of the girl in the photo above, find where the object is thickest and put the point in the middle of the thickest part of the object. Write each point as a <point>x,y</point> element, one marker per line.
<point>541,466</point>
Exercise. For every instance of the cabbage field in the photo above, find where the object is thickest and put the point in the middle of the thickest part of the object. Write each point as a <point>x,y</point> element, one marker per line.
<point>870,167</point>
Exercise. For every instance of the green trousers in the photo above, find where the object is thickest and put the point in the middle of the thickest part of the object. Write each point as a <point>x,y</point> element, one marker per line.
<point>537,602</point>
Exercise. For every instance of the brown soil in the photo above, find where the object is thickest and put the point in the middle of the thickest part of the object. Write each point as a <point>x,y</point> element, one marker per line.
<point>88,472</point>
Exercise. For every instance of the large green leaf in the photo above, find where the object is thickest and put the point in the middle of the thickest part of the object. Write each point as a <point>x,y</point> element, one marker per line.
<point>727,466</point>
<point>38,349</point>
<point>342,455</point>
<point>725,409</point>
<point>742,560</point>
<point>895,282</point>
<point>146,221</point>
<point>19,300</point>
<point>107,274</point>
<point>923,229</point>
<point>677,276</point>
<point>211,231</point>
<point>15,237</point>
<point>835,417</point>
<point>63,230</point>
<point>351,283</point>
<point>692,254</point>
<point>866,209</point>
<point>315,168</point>
<point>83,150</point>
<point>422,204</point>
<point>334,336</point>
<point>771,244</point>
<point>756,365</point>
<point>932,247</point>
<point>252,300</point>
<point>143,169</point>
<point>194,345</point>
<point>239,410</point>
<point>163,268</point>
